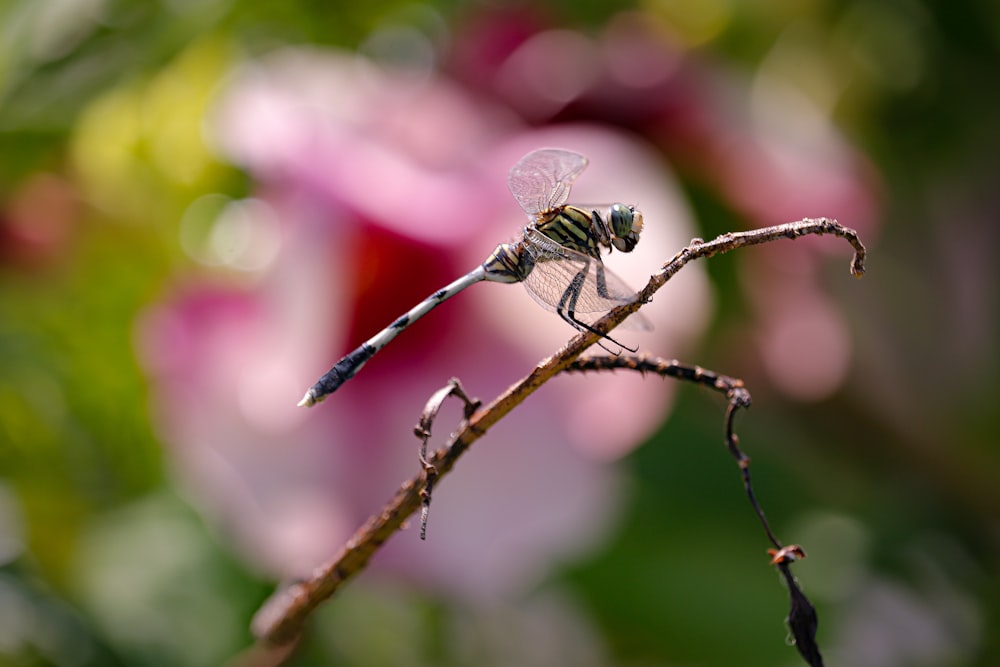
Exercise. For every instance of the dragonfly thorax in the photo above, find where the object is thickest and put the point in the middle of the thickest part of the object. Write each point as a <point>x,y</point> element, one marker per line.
<point>586,231</point>
<point>577,230</point>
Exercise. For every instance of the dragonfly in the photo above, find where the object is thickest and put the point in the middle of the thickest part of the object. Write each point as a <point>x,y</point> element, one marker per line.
<point>557,258</point>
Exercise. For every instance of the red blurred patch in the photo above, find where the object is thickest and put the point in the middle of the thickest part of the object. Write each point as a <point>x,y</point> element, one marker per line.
<point>392,274</point>
<point>37,223</point>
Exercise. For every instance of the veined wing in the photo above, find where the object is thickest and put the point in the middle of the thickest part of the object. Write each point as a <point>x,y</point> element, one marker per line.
<point>557,267</point>
<point>542,179</point>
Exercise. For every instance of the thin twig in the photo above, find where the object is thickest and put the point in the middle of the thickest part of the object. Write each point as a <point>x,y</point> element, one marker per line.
<point>281,618</point>
<point>802,618</point>
<point>733,388</point>
<point>423,432</point>
<point>643,363</point>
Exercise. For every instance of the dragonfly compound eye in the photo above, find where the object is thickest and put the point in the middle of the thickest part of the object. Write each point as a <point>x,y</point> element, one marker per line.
<point>626,223</point>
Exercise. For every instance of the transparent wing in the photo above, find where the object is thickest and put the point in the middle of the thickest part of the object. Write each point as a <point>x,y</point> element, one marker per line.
<point>557,267</point>
<point>541,181</point>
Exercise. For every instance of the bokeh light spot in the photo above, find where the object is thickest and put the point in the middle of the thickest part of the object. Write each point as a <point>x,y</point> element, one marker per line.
<point>548,71</point>
<point>806,350</point>
<point>242,234</point>
<point>692,22</point>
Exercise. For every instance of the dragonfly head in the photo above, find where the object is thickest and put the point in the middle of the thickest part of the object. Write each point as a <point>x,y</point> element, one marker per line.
<point>626,224</point>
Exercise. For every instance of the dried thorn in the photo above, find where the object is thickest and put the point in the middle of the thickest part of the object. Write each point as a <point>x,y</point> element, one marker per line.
<point>423,432</point>
<point>803,622</point>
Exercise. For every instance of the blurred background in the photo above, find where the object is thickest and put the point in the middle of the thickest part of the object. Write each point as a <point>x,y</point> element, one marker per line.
<point>204,204</point>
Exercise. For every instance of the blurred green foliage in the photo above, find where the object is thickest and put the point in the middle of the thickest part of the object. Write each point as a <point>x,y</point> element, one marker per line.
<point>106,99</point>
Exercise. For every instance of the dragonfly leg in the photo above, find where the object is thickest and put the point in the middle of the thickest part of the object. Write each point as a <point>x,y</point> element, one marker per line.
<point>567,309</point>
<point>602,282</point>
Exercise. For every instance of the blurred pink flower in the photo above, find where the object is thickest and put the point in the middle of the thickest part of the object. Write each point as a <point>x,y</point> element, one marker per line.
<point>384,187</point>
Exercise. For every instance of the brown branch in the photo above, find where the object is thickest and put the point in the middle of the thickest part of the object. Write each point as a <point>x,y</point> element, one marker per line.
<point>280,620</point>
